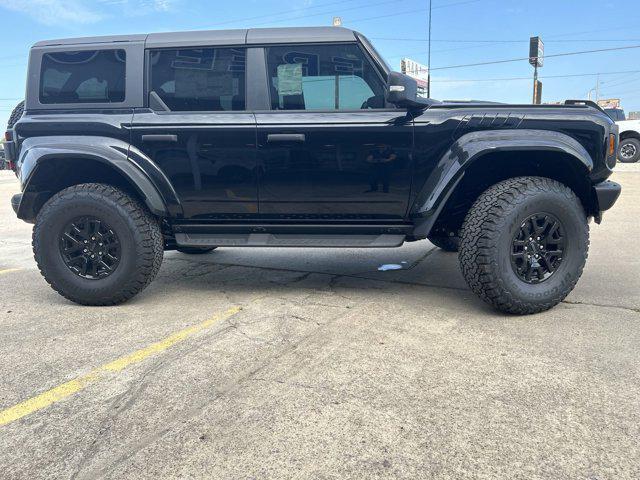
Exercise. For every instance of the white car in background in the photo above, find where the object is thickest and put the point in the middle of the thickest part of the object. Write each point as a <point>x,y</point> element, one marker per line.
<point>629,147</point>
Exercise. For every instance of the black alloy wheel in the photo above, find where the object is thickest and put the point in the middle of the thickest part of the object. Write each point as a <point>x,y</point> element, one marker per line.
<point>537,248</point>
<point>524,243</point>
<point>96,244</point>
<point>90,248</point>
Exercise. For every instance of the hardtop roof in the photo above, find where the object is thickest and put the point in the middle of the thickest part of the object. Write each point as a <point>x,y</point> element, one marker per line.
<point>252,36</point>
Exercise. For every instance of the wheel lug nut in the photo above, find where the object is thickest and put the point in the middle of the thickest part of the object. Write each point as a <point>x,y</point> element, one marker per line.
<point>86,241</point>
<point>93,256</point>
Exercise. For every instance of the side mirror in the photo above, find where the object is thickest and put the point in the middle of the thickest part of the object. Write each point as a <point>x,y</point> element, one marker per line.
<point>402,90</point>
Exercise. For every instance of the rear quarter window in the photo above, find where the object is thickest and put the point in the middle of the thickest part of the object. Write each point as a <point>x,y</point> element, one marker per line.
<point>83,76</point>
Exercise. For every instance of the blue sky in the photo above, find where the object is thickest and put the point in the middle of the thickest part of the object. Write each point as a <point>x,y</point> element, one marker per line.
<point>464,31</point>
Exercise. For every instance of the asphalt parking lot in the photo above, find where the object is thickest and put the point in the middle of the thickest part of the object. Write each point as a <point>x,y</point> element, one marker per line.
<point>293,363</point>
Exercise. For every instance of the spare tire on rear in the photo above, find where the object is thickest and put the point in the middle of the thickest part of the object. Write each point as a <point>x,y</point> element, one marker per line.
<point>16,114</point>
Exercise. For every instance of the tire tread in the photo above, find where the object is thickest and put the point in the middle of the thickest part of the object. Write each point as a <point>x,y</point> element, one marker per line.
<point>147,229</point>
<point>479,235</point>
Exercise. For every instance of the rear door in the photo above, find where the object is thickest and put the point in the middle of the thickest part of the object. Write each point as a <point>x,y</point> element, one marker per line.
<point>329,148</point>
<point>199,132</point>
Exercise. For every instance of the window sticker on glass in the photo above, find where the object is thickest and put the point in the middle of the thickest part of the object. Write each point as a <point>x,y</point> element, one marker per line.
<point>290,79</point>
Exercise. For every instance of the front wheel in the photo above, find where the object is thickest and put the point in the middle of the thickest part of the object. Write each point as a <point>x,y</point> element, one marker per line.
<point>524,244</point>
<point>96,245</point>
<point>629,150</point>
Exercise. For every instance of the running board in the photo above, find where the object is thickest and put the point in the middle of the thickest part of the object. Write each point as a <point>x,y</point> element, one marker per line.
<point>287,240</point>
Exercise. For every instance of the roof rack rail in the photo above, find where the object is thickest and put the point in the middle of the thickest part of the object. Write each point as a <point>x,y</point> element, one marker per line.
<point>589,103</point>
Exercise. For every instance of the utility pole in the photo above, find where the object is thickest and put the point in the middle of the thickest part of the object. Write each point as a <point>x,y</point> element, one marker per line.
<point>535,84</point>
<point>536,59</point>
<point>429,56</point>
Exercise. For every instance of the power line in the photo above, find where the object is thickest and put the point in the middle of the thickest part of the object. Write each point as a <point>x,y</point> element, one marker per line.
<point>283,12</point>
<point>420,10</point>
<point>608,85</point>
<point>441,40</point>
<point>566,54</point>
<point>591,74</point>
<point>341,10</point>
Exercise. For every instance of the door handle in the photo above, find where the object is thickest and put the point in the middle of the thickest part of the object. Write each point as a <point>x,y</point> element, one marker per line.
<point>159,138</point>
<point>286,137</point>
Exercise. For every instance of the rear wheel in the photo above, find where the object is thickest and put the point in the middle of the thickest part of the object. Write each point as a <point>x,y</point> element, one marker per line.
<point>629,150</point>
<point>524,244</point>
<point>195,250</point>
<point>96,245</point>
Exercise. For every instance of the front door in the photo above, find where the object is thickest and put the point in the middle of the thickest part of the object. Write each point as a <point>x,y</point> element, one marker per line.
<point>329,149</point>
<point>199,133</point>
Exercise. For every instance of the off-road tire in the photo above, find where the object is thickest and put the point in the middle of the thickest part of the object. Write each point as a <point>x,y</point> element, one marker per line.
<point>195,250</point>
<point>448,244</point>
<point>636,143</point>
<point>16,114</point>
<point>139,234</point>
<point>488,232</point>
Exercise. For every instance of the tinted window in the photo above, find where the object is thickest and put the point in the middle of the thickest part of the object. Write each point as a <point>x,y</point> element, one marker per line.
<point>322,77</point>
<point>86,76</point>
<point>616,114</point>
<point>199,79</point>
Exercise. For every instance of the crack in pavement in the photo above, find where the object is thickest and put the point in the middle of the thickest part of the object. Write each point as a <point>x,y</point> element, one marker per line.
<point>601,305</point>
<point>230,387</point>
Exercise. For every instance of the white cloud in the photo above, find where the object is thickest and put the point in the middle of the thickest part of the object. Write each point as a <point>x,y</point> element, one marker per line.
<point>52,12</point>
<point>161,5</point>
<point>142,7</point>
<point>56,12</point>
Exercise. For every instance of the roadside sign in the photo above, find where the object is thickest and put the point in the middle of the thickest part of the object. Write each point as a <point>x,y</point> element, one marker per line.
<point>536,51</point>
<point>417,71</point>
<point>537,92</point>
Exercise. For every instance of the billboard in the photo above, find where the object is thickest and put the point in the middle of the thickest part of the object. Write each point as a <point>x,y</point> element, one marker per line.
<point>536,51</point>
<point>417,71</point>
<point>609,103</point>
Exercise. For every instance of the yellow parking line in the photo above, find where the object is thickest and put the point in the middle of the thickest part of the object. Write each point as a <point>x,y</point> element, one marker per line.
<point>8,270</point>
<point>71,387</point>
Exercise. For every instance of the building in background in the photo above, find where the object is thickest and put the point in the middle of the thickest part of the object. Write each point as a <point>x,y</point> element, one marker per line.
<point>634,116</point>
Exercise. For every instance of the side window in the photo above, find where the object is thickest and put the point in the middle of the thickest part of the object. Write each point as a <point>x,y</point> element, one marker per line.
<point>322,77</point>
<point>199,79</point>
<point>84,76</point>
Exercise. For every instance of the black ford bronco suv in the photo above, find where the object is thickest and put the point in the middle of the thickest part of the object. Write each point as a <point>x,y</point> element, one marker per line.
<point>127,146</point>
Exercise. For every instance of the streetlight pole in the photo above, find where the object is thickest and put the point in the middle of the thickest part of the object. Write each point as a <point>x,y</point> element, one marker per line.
<point>429,56</point>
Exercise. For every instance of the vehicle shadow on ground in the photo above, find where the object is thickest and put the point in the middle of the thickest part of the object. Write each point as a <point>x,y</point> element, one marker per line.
<point>434,277</point>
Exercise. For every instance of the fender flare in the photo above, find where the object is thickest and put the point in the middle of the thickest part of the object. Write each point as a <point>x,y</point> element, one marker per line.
<point>136,168</point>
<point>468,149</point>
